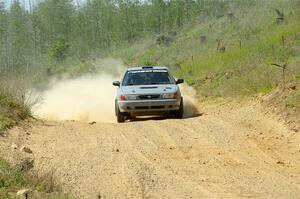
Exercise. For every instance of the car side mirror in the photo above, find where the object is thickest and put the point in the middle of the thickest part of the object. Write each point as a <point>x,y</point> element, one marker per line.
<point>116,83</point>
<point>179,81</point>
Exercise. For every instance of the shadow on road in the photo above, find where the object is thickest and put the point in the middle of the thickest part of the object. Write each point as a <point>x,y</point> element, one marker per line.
<point>190,111</point>
<point>158,118</point>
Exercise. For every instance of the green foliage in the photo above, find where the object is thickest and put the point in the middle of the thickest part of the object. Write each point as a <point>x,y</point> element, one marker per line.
<point>59,51</point>
<point>12,180</point>
<point>70,34</point>
<point>61,29</point>
<point>297,77</point>
<point>11,111</point>
<point>148,63</point>
<point>294,100</point>
<point>74,69</point>
<point>18,31</point>
<point>244,68</point>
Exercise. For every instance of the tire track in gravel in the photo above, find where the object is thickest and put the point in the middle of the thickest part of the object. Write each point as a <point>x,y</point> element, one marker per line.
<point>233,151</point>
<point>162,174</point>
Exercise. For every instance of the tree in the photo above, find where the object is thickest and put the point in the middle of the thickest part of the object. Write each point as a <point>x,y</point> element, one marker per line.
<point>18,30</point>
<point>55,18</point>
<point>58,29</point>
<point>58,52</point>
<point>3,39</point>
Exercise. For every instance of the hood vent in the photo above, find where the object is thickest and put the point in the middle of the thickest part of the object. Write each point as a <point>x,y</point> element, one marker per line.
<point>149,87</point>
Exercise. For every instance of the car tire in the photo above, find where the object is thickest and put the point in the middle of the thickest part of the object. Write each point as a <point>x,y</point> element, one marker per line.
<point>179,113</point>
<point>116,111</point>
<point>120,115</point>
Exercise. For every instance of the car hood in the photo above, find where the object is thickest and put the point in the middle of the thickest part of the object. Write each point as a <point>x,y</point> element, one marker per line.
<point>150,89</point>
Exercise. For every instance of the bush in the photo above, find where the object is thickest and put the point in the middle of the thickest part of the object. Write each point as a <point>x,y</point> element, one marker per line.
<point>13,107</point>
<point>11,111</point>
<point>294,100</point>
<point>12,180</point>
<point>59,50</point>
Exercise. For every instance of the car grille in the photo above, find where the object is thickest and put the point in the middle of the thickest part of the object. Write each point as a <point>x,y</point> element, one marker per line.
<point>146,97</point>
<point>149,107</point>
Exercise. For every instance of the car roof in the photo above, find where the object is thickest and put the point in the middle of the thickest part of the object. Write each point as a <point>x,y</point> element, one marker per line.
<point>148,67</point>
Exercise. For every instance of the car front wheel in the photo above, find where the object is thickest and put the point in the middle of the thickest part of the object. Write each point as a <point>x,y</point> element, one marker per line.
<point>179,113</point>
<point>120,115</point>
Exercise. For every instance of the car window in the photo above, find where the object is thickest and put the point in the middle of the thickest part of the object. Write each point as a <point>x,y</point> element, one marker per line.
<point>147,77</point>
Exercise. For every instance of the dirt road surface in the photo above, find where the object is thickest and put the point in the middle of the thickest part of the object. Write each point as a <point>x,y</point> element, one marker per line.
<point>234,150</point>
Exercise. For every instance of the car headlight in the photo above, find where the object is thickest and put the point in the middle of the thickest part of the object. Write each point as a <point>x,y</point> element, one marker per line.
<point>167,96</point>
<point>171,95</point>
<point>127,97</point>
<point>130,97</point>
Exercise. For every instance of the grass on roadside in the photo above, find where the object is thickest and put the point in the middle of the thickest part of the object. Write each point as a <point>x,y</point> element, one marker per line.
<point>294,100</point>
<point>12,180</point>
<point>11,111</point>
<point>13,108</point>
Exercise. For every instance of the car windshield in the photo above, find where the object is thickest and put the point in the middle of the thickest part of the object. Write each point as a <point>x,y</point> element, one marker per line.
<point>147,77</point>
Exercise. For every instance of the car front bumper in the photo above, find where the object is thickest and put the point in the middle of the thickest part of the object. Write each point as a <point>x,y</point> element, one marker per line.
<point>157,105</point>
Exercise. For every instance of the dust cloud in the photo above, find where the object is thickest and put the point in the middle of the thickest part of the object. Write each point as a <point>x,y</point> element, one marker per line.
<point>190,101</point>
<point>91,97</point>
<point>87,98</point>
